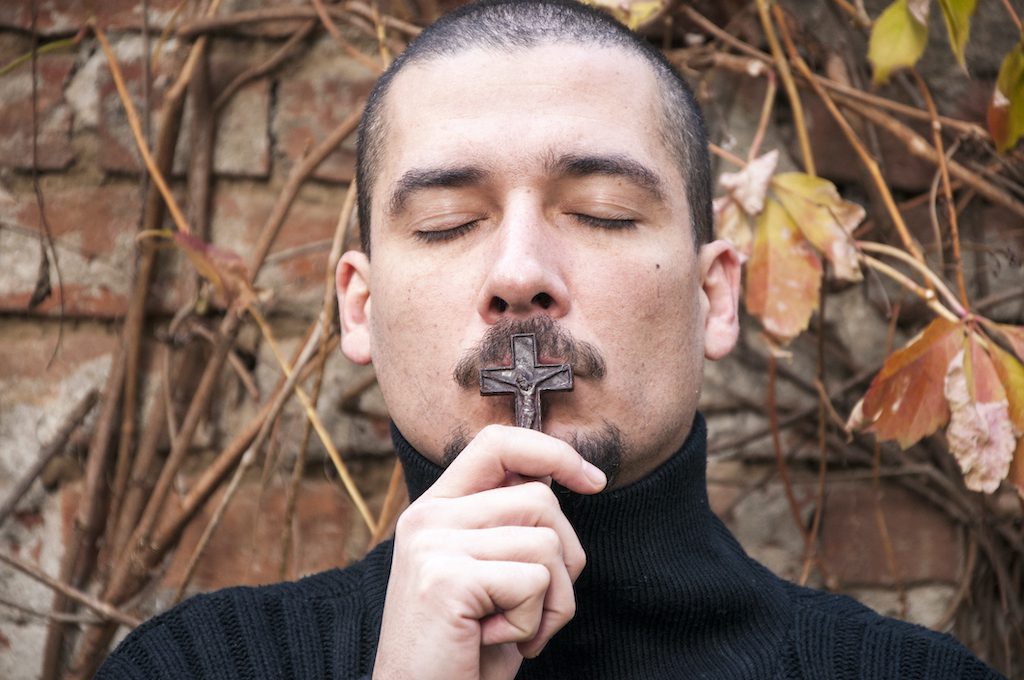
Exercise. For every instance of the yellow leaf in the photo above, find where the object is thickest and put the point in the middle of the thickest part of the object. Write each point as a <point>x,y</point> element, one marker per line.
<point>633,13</point>
<point>783,275</point>
<point>1011,375</point>
<point>957,14</point>
<point>1006,109</point>
<point>825,219</point>
<point>898,39</point>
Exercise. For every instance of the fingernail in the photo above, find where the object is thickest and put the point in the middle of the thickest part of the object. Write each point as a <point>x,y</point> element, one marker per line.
<point>594,474</point>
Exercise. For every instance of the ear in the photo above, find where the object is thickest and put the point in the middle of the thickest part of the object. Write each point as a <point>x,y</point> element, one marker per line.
<point>353,282</point>
<point>720,271</point>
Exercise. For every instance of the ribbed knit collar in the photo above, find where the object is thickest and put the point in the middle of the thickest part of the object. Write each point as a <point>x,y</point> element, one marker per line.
<point>663,575</point>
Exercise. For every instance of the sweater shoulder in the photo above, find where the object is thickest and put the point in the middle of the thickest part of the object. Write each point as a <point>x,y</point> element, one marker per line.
<point>836,636</point>
<point>314,627</point>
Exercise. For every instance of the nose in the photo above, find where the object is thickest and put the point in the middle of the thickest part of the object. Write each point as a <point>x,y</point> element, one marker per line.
<point>525,275</point>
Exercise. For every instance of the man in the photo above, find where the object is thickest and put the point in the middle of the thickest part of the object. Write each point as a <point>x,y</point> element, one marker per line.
<point>532,167</point>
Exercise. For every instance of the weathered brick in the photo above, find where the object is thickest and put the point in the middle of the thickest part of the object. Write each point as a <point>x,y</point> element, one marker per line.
<point>245,549</point>
<point>94,231</point>
<point>836,159</point>
<point>312,101</point>
<point>53,115</point>
<point>243,125</point>
<point>925,543</point>
<point>295,268</point>
<point>68,16</point>
<point>118,151</point>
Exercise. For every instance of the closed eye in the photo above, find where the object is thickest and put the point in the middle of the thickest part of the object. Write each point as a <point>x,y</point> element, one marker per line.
<point>604,222</point>
<point>441,235</point>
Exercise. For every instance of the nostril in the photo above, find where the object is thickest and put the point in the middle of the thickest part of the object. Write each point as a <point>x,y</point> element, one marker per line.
<point>543,300</point>
<point>498,305</point>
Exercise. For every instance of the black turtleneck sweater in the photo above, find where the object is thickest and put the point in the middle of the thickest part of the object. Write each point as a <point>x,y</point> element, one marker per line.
<point>667,593</point>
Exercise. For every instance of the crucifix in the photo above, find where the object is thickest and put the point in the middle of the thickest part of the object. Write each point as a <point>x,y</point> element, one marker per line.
<point>525,379</point>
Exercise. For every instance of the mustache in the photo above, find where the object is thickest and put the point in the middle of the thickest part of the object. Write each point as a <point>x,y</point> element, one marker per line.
<point>553,341</point>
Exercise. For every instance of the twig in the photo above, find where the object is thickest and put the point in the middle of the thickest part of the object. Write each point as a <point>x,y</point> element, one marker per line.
<point>327,312</point>
<point>248,458</point>
<point>46,239</point>
<point>344,44</point>
<point>49,616</point>
<point>811,547</point>
<point>869,162</point>
<point>727,155</point>
<point>782,66</point>
<point>1013,15</point>
<point>212,24</point>
<point>48,453</point>
<point>928,296</point>
<point>393,502</point>
<point>325,438</point>
<point>101,608</point>
<point>954,231</point>
<point>766,113</point>
<point>924,270</point>
<point>80,552</point>
<point>296,178</point>
<point>920,148</point>
<point>266,67</point>
<point>140,141</point>
<point>780,460</point>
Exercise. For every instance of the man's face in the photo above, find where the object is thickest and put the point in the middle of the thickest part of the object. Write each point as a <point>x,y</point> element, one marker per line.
<point>528,184</point>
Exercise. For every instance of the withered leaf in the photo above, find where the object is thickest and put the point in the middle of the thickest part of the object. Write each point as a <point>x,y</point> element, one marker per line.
<point>825,219</point>
<point>734,225</point>
<point>905,401</point>
<point>749,186</point>
<point>223,268</point>
<point>980,435</point>
<point>783,275</point>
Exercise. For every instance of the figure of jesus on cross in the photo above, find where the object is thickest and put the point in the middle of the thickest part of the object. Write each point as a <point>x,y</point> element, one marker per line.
<point>526,379</point>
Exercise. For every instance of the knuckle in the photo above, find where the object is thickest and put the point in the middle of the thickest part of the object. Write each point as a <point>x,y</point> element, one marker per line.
<point>549,541</point>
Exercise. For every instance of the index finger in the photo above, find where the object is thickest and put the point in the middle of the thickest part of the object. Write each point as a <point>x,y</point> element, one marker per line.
<point>500,449</point>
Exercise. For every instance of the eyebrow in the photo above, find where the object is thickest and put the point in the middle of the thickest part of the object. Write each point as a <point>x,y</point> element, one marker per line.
<point>615,165</point>
<point>415,180</point>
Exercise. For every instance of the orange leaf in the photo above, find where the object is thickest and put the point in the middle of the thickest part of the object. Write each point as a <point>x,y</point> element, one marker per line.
<point>825,219</point>
<point>783,275</point>
<point>223,268</point>
<point>905,401</point>
<point>980,434</point>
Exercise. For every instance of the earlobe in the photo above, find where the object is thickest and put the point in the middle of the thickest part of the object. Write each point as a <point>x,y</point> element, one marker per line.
<point>353,284</point>
<point>720,266</point>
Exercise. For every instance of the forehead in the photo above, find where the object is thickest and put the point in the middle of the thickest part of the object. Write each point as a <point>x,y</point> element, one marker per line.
<point>515,108</point>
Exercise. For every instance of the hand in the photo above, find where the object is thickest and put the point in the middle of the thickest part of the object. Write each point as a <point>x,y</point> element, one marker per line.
<point>484,561</point>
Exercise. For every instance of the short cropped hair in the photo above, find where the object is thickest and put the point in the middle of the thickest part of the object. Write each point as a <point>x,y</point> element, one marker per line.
<point>520,24</point>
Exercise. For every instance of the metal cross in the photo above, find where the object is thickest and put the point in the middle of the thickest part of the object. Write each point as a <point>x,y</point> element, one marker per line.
<point>526,379</point>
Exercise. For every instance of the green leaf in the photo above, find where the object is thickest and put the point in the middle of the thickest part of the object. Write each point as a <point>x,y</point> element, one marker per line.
<point>1006,110</point>
<point>898,39</point>
<point>957,14</point>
